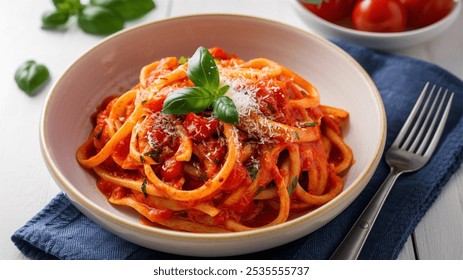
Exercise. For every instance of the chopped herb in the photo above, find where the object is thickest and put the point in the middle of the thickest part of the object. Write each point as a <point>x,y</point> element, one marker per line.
<point>252,170</point>
<point>182,60</point>
<point>296,134</point>
<point>293,186</point>
<point>308,124</point>
<point>98,134</point>
<point>154,154</point>
<point>142,159</point>
<point>270,107</point>
<point>143,187</point>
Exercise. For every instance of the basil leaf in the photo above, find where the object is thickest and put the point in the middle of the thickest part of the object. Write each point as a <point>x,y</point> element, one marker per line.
<point>127,9</point>
<point>203,71</point>
<point>99,20</point>
<point>69,6</point>
<point>187,100</point>
<point>54,19</point>
<point>225,110</point>
<point>223,90</point>
<point>31,76</point>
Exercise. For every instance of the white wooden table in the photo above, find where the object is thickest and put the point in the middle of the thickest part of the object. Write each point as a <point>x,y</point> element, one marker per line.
<point>26,186</point>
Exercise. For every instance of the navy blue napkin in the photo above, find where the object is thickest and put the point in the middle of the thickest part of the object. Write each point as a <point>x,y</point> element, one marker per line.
<point>60,231</point>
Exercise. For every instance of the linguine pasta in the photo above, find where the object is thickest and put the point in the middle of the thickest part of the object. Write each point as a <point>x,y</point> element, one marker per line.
<point>195,173</point>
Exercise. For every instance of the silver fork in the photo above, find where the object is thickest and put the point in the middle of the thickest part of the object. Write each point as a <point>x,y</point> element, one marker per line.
<point>410,151</point>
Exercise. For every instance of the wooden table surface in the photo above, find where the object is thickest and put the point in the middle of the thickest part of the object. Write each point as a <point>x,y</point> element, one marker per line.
<point>26,184</point>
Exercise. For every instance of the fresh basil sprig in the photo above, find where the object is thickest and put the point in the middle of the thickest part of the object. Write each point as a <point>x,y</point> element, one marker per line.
<point>31,76</point>
<point>203,72</point>
<point>99,17</point>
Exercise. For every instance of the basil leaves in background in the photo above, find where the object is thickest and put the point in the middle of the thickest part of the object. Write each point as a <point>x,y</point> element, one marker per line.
<point>127,9</point>
<point>99,20</point>
<point>99,17</point>
<point>70,6</point>
<point>31,76</point>
<point>54,19</point>
<point>203,72</point>
<point>314,1</point>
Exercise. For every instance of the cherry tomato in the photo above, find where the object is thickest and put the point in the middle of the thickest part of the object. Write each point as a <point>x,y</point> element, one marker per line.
<point>379,16</point>
<point>218,53</point>
<point>425,12</point>
<point>171,169</point>
<point>200,128</point>
<point>331,10</point>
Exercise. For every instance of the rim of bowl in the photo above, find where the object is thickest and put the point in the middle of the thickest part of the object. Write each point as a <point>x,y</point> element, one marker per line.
<point>77,197</point>
<point>383,35</point>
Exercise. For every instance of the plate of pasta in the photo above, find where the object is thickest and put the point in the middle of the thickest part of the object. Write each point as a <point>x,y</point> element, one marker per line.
<point>213,142</point>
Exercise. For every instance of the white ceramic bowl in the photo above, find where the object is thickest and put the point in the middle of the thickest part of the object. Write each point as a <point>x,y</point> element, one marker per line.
<point>113,66</point>
<point>376,40</point>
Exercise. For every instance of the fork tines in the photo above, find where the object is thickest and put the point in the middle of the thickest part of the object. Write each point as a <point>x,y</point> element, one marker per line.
<point>427,119</point>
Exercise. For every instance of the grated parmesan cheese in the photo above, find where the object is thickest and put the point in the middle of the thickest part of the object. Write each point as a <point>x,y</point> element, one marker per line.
<point>243,96</point>
<point>247,102</point>
<point>161,122</point>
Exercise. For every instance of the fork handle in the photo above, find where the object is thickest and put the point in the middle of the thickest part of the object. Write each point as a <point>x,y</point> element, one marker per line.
<point>350,247</point>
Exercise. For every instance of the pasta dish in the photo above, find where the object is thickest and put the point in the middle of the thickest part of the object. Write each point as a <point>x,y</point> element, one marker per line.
<point>194,172</point>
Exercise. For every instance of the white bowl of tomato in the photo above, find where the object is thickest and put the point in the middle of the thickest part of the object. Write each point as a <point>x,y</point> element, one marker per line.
<point>379,24</point>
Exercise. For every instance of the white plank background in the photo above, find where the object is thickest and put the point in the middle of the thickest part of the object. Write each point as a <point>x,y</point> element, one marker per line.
<point>26,185</point>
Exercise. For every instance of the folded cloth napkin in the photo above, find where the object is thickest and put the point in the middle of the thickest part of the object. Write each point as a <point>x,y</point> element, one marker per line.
<point>60,231</point>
